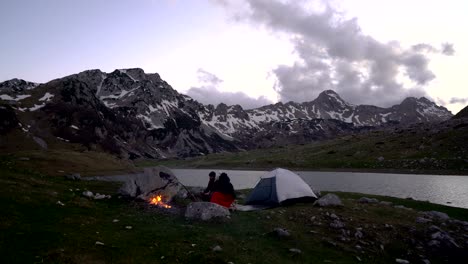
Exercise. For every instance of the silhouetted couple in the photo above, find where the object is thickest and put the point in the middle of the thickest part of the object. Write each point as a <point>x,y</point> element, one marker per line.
<point>219,191</point>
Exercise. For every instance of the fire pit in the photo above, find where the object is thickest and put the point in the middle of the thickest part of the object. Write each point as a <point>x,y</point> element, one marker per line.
<point>158,201</point>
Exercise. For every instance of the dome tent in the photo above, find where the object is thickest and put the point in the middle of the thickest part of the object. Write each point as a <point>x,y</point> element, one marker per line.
<point>279,186</point>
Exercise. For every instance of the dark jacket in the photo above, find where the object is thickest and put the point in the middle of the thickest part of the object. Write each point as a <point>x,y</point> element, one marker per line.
<point>223,185</point>
<point>210,187</point>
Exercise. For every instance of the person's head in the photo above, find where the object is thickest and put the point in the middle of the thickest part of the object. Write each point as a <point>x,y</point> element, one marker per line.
<point>212,175</point>
<point>224,178</point>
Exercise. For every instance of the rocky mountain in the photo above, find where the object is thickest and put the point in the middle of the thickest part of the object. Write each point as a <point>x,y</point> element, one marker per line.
<point>462,114</point>
<point>134,114</point>
<point>238,123</point>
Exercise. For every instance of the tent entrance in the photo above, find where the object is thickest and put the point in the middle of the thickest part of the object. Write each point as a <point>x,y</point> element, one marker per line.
<point>264,192</point>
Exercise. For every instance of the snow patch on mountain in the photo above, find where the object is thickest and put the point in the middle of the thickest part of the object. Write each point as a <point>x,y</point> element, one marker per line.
<point>18,97</point>
<point>47,96</point>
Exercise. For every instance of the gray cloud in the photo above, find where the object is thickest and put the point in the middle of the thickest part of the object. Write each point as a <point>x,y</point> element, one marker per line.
<point>457,100</point>
<point>447,49</point>
<point>208,93</point>
<point>208,78</point>
<point>335,54</point>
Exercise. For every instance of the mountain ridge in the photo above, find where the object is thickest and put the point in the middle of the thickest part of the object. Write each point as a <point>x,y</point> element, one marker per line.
<point>135,114</point>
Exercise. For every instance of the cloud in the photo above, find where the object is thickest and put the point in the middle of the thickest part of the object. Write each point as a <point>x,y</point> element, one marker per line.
<point>209,93</point>
<point>457,100</point>
<point>335,54</point>
<point>447,49</point>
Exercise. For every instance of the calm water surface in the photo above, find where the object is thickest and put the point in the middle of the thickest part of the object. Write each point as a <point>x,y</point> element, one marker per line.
<point>439,189</point>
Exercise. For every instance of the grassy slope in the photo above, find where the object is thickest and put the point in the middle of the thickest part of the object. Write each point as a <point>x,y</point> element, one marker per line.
<point>65,161</point>
<point>402,151</point>
<point>34,228</point>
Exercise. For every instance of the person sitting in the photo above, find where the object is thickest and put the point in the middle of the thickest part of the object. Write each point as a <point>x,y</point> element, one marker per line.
<point>206,194</point>
<point>223,193</point>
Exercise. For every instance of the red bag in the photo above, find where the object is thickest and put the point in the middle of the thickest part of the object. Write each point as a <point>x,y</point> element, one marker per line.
<point>222,199</point>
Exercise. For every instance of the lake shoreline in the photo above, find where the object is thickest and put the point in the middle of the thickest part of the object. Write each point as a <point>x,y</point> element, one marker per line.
<point>350,170</point>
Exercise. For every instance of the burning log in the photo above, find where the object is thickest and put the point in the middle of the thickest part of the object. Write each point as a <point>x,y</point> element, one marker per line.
<point>157,200</point>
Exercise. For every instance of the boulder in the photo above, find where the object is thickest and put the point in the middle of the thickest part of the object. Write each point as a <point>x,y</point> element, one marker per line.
<point>73,177</point>
<point>281,232</point>
<point>436,215</point>
<point>337,224</point>
<point>205,211</point>
<point>329,200</point>
<point>367,200</point>
<point>154,181</point>
<point>40,142</point>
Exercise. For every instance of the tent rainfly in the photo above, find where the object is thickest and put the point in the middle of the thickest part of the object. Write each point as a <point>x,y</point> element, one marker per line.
<point>279,186</point>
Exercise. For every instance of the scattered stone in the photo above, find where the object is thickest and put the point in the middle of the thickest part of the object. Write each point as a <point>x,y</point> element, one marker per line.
<point>128,227</point>
<point>337,224</point>
<point>437,215</point>
<point>434,228</point>
<point>402,261</point>
<point>163,257</point>
<point>433,243</point>
<point>422,220</point>
<point>193,245</point>
<point>333,216</point>
<point>205,211</point>
<point>73,177</point>
<point>426,261</point>
<point>329,200</point>
<point>386,203</point>
<point>40,142</point>
<point>60,203</point>
<point>99,243</point>
<point>88,194</point>
<point>281,232</point>
<point>380,159</point>
<point>358,258</point>
<point>367,200</point>
<point>24,159</point>
<point>217,248</point>
<point>444,238</point>
<point>358,234</point>
<point>295,250</point>
<point>402,207</point>
<point>99,196</point>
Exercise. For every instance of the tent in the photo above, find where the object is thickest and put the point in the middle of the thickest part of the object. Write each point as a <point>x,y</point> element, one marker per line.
<point>280,186</point>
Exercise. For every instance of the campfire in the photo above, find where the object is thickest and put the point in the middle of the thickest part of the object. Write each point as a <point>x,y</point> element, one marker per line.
<point>157,200</point>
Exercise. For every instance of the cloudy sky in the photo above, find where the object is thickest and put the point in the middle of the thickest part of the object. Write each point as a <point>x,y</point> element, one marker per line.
<point>249,52</point>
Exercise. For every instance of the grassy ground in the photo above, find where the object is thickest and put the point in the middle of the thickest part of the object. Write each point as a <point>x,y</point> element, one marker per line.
<point>62,162</point>
<point>35,229</point>
<point>408,151</point>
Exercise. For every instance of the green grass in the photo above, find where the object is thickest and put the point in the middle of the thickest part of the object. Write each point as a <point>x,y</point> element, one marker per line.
<point>445,153</point>
<point>35,229</point>
<point>58,162</point>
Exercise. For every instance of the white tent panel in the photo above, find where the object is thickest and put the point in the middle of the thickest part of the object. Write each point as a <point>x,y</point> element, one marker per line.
<point>290,185</point>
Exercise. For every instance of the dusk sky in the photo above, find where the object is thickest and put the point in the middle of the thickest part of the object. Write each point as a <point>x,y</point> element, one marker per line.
<point>249,52</point>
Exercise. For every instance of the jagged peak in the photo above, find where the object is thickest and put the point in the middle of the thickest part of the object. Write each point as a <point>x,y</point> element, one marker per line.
<point>18,83</point>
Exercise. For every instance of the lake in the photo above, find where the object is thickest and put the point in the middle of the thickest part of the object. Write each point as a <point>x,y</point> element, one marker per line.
<point>441,189</point>
<point>434,188</point>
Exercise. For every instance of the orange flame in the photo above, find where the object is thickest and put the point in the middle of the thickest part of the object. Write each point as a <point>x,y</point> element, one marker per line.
<point>157,200</point>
